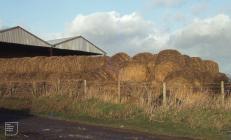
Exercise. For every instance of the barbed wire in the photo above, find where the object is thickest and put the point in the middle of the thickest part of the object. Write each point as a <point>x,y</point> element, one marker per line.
<point>111,84</point>
<point>101,81</point>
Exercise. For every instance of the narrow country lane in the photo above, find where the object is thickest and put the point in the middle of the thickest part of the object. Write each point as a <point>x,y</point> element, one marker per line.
<point>38,128</point>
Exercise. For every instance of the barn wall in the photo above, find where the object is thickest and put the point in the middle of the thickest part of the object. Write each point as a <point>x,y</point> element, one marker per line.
<point>9,50</point>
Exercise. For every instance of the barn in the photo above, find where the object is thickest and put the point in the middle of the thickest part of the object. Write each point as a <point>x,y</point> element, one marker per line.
<point>84,46</point>
<point>18,42</point>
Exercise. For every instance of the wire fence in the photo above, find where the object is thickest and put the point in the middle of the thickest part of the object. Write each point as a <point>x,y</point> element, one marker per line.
<point>114,89</point>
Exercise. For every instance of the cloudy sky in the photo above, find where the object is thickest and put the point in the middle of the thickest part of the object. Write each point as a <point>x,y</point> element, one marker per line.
<point>194,27</point>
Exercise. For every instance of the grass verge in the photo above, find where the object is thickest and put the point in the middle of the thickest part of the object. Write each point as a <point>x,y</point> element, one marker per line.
<point>192,122</point>
<point>2,135</point>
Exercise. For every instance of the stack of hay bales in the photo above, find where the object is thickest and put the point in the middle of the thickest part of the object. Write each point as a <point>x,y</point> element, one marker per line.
<point>221,77</point>
<point>170,56</point>
<point>110,69</point>
<point>167,62</point>
<point>144,58</point>
<point>132,71</point>
<point>151,70</point>
<point>149,60</point>
<point>113,66</point>
<point>186,77</point>
<point>38,67</point>
<point>211,66</point>
<point>162,70</point>
<point>168,66</point>
<point>72,64</point>
<point>119,59</point>
<point>196,63</point>
<point>122,66</point>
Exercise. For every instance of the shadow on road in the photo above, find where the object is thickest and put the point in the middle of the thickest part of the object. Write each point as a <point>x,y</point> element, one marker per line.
<point>7,115</point>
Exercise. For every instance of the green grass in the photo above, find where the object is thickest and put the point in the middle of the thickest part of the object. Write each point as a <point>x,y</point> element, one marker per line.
<point>194,122</point>
<point>2,135</point>
<point>15,103</point>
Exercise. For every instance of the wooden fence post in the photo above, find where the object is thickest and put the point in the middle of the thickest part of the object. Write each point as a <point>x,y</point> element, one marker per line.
<point>10,88</point>
<point>34,90</point>
<point>45,88</point>
<point>59,87</point>
<point>222,92</point>
<point>149,98</point>
<point>119,96</point>
<point>85,87</point>
<point>164,94</point>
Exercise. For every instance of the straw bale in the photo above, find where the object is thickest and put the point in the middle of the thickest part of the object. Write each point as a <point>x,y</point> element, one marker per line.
<point>211,66</point>
<point>144,58</point>
<point>119,58</point>
<point>163,69</point>
<point>132,71</point>
<point>72,64</point>
<point>151,70</point>
<point>191,77</point>
<point>170,56</point>
<point>221,77</point>
<point>168,65</point>
<point>196,63</point>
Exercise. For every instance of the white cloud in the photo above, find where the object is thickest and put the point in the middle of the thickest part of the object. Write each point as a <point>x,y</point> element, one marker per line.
<point>167,2</point>
<point>115,32</point>
<point>208,38</point>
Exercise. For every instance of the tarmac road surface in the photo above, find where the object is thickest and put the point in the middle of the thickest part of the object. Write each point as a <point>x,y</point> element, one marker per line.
<point>39,128</point>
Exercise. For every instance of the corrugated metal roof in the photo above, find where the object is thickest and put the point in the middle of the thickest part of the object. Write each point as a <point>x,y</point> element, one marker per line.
<point>75,43</point>
<point>18,35</point>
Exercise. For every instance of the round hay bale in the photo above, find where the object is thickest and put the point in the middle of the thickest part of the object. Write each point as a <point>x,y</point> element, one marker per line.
<point>99,75</point>
<point>119,58</point>
<point>211,66</point>
<point>170,56</point>
<point>221,77</point>
<point>196,63</point>
<point>151,70</point>
<point>149,60</point>
<point>196,78</point>
<point>133,72</point>
<point>182,78</point>
<point>144,58</point>
<point>187,59</point>
<point>112,67</point>
<point>164,69</point>
<point>179,82</point>
<point>67,65</point>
